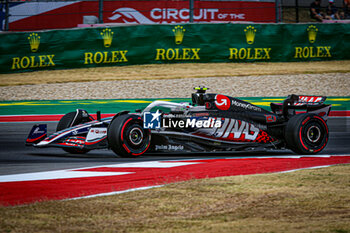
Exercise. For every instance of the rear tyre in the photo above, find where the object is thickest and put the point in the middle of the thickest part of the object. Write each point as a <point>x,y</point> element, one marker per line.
<point>127,137</point>
<point>66,122</point>
<point>306,133</point>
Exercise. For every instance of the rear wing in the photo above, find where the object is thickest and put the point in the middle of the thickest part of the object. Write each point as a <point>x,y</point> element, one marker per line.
<point>312,104</point>
<point>308,100</point>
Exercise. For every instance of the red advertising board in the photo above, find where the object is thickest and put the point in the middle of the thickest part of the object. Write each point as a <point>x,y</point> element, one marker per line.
<point>49,15</point>
<point>178,12</point>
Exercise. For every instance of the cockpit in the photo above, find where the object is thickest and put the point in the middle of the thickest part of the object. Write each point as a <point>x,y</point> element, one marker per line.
<point>198,98</point>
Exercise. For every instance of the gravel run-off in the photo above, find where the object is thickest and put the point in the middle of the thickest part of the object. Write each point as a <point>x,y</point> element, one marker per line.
<point>330,84</point>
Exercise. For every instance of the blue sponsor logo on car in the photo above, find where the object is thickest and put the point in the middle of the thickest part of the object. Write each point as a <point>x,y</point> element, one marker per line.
<point>151,120</point>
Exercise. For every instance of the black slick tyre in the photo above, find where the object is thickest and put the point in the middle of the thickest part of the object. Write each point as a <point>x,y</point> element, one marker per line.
<point>127,137</point>
<point>306,133</point>
<point>66,122</point>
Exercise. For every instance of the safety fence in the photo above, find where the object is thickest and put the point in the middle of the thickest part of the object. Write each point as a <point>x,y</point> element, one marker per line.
<point>149,44</point>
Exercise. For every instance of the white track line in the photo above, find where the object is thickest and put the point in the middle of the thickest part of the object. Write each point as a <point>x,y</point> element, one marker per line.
<point>54,175</point>
<point>316,167</point>
<point>117,192</point>
<point>77,173</point>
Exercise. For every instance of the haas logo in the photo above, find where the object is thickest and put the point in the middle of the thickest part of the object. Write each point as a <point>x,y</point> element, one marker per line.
<point>222,102</point>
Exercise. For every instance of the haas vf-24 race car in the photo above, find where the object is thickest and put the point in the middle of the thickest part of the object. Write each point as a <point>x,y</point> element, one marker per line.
<point>211,123</point>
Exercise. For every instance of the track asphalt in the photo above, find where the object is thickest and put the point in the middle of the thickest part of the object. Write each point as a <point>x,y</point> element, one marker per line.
<point>15,157</point>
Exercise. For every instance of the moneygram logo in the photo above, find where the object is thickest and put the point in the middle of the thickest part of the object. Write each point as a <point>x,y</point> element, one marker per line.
<point>246,106</point>
<point>222,102</point>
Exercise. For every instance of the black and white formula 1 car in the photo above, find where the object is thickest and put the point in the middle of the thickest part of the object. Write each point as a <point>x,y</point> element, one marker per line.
<point>211,123</point>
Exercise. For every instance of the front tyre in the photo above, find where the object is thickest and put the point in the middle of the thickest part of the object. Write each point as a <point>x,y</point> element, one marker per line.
<point>69,120</point>
<point>127,137</point>
<point>306,133</point>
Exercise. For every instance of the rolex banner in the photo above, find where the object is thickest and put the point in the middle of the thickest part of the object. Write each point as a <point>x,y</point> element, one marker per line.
<point>147,44</point>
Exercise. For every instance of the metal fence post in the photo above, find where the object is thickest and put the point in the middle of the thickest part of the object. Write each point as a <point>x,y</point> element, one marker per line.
<point>277,11</point>
<point>191,10</point>
<point>100,11</point>
<point>7,15</point>
<point>297,11</point>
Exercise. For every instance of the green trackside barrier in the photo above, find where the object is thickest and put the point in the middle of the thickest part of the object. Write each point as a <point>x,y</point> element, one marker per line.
<point>29,107</point>
<point>149,44</point>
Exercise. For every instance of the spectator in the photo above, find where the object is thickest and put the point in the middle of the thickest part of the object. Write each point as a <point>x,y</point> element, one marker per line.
<point>346,9</point>
<point>315,11</point>
<point>332,11</point>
